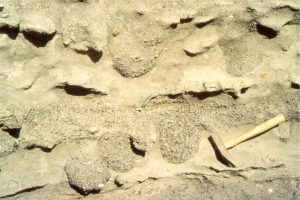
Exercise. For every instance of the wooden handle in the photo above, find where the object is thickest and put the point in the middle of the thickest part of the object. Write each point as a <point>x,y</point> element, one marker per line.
<point>256,131</point>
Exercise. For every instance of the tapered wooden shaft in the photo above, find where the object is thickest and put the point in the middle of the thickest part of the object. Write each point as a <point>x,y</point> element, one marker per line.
<point>256,131</point>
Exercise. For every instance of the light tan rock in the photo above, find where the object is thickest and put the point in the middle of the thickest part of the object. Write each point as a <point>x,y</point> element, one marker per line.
<point>202,20</point>
<point>200,41</point>
<point>38,24</point>
<point>275,20</point>
<point>9,22</point>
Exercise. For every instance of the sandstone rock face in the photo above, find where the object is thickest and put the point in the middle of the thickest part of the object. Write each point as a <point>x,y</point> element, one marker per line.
<point>110,99</point>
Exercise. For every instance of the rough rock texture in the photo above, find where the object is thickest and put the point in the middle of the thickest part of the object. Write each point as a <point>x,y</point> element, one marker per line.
<point>190,189</point>
<point>8,144</point>
<point>139,86</point>
<point>179,140</point>
<point>117,152</point>
<point>49,130</point>
<point>245,62</point>
<point>8,120</point>
<point>86,173</point>
<point>141,142</point>
<point>142,133</point>
<point>137,47</point>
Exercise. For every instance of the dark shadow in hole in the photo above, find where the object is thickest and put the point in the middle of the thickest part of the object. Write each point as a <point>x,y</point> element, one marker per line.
<point>295,86</point>
<point>291,8</point>
<point>135,150</point>
<point>38,40</point>
<point>76,90</point>
<point>82,192</point>
<point>94,55</point>
<point>182,21</point>
<point>12,33</point>
<point>190,54</point>
<point>44,149</point>
<point>174,96</point>
<point>268,32</point>
<point>217,152</point>
<point>204,95</point>
<point>117,183</point>
<point>244,90</point>
<point>173,25</point>
<point>14,132</point>
<point>233,95</point>
<point>186,20</point>
<point>201,25</point>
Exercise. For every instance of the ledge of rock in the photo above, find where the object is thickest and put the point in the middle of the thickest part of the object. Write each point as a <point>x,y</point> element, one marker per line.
<point>276,19</point>
<point>37,24</point>
<point>9,22</point>
<point>8,144</point>
<point>201,21</point>
<point>200,41</point>
<point>18,174</point>
<point>79,34</point>
<point>8,120</point>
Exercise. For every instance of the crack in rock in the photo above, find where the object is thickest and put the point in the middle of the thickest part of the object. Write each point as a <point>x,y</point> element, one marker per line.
<point>42,148</point>
<point>31,189</point>
<point>180,97</point>
<point>78,90</point>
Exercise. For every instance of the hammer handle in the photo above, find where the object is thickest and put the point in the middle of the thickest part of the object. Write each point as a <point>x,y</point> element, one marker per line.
<point>256,131</point>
